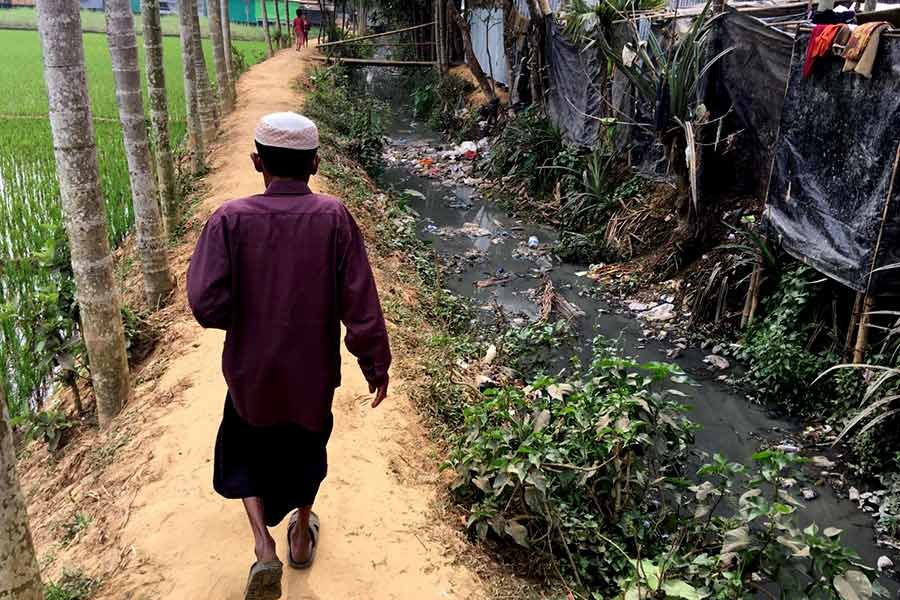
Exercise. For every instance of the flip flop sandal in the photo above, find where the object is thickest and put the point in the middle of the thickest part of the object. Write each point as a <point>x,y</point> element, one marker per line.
<point>264,582</point>
<point>314,539</point>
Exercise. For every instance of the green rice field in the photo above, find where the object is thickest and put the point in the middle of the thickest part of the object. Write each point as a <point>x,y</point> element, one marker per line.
<point>30,217</point>
<point>92,20</point>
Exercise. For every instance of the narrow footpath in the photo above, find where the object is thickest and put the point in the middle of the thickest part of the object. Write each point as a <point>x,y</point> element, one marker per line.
<point>382,537</point>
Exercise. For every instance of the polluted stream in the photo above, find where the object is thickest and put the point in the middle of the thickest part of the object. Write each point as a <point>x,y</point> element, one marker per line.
<point>496,260</point>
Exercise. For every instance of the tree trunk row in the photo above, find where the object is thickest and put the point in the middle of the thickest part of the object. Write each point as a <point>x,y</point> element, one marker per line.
<point>194,127</point>
<point>159,112</point>
<point>74,148</point>
<point>84,214</point>
<point>151,241</point>
<point>206,104</point>
<point>265,12</point>
<point>217,36</point>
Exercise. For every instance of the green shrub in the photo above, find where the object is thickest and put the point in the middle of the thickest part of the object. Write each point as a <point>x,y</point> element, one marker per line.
<point>73,585</point>
<point>530,349</point>
<point>525,153</point>
<point>559,467</point>
<point>356,119</point>
<point>782,368</point>
<point>49,426</point>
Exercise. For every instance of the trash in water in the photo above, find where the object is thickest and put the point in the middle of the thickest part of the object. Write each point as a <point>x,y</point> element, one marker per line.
<point>469,150</point>
<point>491,281</point>
<point>414,194</point>
<point>473,230</point>
<point>533,242</point>
<point>717,361</point>
<point>662,312</point>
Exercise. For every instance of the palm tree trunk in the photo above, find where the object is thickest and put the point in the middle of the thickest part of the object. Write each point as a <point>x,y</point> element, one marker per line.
<point>288,30</point>
<point>206,103</point>
<point>71,122</point>
<point>20,577</point>
<point>226,99</point>
<point>226,37</point>
<point>194,129</point>
<point>151,239</point>
<point>471,60</point>
<point>265,12</point>
<point>159,112</point>
<point>278,25</point>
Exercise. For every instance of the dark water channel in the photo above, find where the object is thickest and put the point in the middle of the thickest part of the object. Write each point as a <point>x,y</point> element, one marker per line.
<point>731,425</point>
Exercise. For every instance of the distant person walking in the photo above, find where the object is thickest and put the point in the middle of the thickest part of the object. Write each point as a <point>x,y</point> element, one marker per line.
<point>279,272</point>
<point>301,30</point>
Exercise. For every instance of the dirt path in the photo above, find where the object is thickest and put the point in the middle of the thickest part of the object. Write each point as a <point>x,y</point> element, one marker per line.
<point>379,539</point>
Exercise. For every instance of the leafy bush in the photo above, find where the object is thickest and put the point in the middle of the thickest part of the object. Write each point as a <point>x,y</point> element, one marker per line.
<point>442,102</point>
<point>581,248</point>
<point>530,349</point>
<point>586,474</point>
<point>49,426</point>
<point>587,206</point>
<point>525,153</point>
<point>356,119</point>
<point>559,466</point>
<point>782,368</point>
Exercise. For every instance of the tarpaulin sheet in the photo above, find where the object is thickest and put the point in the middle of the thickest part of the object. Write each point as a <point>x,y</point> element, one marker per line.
<point>486,26</point>
<point>574,100</point>
<point>750,81</point>
<point>832,174</point>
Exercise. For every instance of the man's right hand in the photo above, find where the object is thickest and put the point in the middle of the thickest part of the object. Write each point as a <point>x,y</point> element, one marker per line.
<point>380,393</point>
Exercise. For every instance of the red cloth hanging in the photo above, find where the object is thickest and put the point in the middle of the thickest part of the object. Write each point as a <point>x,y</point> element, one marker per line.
<point>820,42</point>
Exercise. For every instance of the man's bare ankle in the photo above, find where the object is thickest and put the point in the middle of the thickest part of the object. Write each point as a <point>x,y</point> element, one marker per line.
<point>265,551</point>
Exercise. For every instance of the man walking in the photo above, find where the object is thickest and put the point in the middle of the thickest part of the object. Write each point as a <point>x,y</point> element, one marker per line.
<point>279,272</point>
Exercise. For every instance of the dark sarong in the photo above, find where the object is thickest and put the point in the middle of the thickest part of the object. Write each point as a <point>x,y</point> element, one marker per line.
<point>281,464</point>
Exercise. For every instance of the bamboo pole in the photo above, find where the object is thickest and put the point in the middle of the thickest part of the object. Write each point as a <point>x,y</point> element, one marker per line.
<point>374,62</point>
<point>752,301</point>
<point>748,299</point>
<point>851,327</point>
<point>862,336</point>
<point>376,35</point>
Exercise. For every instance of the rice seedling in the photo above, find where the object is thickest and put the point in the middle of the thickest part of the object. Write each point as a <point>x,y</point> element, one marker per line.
<point>33,277</point>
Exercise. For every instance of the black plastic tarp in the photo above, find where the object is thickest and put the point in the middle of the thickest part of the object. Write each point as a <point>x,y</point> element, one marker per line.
<point>750,82</point>
<point>830,197</point>
<point>574,100</point>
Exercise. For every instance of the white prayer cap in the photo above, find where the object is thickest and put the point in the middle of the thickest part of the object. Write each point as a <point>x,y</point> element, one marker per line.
<point>287,130</point>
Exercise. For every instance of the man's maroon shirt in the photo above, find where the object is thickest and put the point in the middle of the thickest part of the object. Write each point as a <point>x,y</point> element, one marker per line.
<point>279,272</point>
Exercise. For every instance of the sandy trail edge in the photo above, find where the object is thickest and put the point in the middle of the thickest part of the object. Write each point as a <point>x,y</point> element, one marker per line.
<point>378,538</point>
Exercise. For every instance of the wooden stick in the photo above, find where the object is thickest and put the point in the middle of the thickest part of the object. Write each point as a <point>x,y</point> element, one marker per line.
<point>687,15</point>
<point>745,315</point>
<point>862,335</point>
<point>374,62</point>
<point>376,35</point>
<point>851,327</point>
<point>752,301</point>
